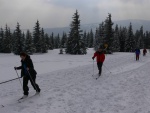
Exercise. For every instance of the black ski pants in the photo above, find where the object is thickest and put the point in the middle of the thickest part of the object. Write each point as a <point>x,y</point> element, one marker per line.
<point>33,83</point>
<point>137,57</point>
<point>99,65</point>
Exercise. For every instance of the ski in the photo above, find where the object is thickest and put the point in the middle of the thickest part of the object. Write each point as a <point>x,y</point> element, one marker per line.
<point>98,77</point>
<point>2,106</point>
<point>22,99</point>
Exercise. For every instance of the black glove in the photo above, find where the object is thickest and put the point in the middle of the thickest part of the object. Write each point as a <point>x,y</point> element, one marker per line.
<point>15,68</point>
<point>93,58</point>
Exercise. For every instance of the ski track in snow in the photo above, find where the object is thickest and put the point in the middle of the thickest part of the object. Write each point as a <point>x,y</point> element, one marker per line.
<point>73,90</point>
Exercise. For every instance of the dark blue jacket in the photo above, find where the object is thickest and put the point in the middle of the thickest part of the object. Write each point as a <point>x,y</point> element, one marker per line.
<point>27,63</point>
<point>137,51</point>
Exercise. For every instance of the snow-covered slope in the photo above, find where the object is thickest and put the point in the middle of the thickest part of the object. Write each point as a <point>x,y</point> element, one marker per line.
<point>44,63</point>
<point>70,87</point>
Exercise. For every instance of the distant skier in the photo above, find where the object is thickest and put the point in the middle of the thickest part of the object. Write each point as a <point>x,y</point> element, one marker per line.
<point>144,52</point>
<point>137,53</point>
<point>100,59</point>
<point>28,73</point>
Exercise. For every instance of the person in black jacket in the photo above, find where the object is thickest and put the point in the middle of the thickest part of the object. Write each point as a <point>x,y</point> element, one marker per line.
<point>28,73</point>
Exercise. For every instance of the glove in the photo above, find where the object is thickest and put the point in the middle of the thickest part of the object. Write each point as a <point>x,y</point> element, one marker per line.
<point>93,58</point>
<point>15,68</point>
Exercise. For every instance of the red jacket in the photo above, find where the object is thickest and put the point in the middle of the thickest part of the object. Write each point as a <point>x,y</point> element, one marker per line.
<point>100,56</point>
<point>144,51</point>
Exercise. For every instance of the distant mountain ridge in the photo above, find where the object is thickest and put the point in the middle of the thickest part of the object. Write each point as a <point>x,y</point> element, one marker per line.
<point>136,24</point>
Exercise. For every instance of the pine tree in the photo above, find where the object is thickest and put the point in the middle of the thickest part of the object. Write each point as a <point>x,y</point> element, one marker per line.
<point>108,32</point>
<point>52,41</point>
<point>13,41</point>
<point>18,44</point>
<point>122,38</point>
<point>147,39</point>
<point>91,38</point>
<point>57,42</point>
<point>69,44</point>
<point>7,41</point>
<point>116,41</point>
<point>63,40</point>
<point>137,38</point>
<point>43,45</point>
<point>141,39</point>
<point>23,40</point>
<point>130,42</point>
<point>88,40</point>
<point>29,47</point>
<point>37,37</point>
<point>48,41</point>
<point>75,44</point>
<point>1,39</point>
<point>85,38</point>
<point>99,37</point>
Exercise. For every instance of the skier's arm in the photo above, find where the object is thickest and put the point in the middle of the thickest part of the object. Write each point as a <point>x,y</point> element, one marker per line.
<point>18,68</point>
<point>95,54</point>
<point>29,64</point>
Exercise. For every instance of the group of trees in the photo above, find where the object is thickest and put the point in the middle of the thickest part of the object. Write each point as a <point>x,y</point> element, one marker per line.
<point>35,42</point>
<point>118,39</point>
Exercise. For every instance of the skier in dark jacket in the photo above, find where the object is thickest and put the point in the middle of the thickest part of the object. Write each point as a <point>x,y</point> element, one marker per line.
<point>28,73</point>
<point>144,52</point>
<point>100,59</point>
<point>137,53</point>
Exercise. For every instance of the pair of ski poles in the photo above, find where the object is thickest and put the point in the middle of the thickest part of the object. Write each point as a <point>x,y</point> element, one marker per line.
<point>103,65</point>
<point>30,78</point>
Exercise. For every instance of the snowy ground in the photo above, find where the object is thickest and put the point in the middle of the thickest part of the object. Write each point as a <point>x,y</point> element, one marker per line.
<point>68,86</point>
<point>43,63</point>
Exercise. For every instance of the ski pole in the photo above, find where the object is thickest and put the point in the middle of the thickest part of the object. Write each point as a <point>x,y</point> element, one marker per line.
<point>107,69</point>
<point>19,78</point>
<point>9,80</point>
<point>93,68</point>
<point>32,81</point>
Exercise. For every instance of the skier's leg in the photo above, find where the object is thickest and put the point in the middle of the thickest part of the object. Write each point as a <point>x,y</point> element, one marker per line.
<point>33,83</point>
<point>100,68</point>
<point>98,65</point>
<point>25,85</point>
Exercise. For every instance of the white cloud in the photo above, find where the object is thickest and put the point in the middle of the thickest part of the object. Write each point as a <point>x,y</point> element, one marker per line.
<point>58,13</point>
<point>126,9</point>
<point>27,12</point>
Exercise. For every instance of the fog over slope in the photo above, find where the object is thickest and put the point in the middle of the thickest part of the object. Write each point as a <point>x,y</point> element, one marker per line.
<point>136,24</point>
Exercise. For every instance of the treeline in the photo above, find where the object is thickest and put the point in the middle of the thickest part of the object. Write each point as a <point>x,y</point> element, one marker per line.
<point>30,42</point>
<point>112,39</point>
<point>120,38</point>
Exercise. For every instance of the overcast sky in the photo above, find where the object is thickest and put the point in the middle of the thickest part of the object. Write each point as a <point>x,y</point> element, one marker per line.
<point>58,13</point>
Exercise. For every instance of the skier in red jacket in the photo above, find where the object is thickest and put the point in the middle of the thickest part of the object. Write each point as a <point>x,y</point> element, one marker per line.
<point>100,59</point>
